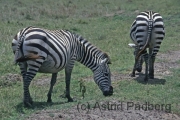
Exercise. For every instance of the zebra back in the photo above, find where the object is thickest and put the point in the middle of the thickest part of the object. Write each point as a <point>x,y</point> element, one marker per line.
<point>83,48</point>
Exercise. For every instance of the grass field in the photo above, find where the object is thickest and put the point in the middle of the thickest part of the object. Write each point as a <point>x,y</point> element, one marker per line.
<point>105,24</point>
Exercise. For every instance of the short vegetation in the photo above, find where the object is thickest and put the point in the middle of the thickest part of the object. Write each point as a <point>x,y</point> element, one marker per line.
<point>105,24</point>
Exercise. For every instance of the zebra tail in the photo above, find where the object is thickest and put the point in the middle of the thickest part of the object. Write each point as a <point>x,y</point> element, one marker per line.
<point>18,52</point>
<point>30,56</point>
<point>150,26</point>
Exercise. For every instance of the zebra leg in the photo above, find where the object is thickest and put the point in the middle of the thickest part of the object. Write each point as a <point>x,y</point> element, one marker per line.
<point>146,59</point>
<point>139,64</point>
<point>68,71</point>
<point>27,99</point>
<point>23,68</point>
<point>136,61</point>
<point>53,81</point>
<point>33,67</point>
<point>134,69</point>
<point>151,66</point>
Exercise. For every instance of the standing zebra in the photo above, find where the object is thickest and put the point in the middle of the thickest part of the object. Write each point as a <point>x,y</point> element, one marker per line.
<point>49,51</point>
<point>147,31</point>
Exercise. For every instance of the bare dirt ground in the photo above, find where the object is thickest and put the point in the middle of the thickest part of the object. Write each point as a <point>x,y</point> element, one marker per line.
<point>117,113</point>
<point>163,65</point>
<point>162,68</point>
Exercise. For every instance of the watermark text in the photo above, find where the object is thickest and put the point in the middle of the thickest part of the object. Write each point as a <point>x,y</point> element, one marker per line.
<point>120,106</point>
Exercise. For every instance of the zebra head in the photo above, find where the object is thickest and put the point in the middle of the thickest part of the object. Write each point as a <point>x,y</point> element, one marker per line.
<point>140,60</point>
<point>102,77</point>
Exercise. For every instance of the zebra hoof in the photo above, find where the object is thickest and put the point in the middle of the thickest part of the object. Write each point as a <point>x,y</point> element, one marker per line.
<point>139,69</point>
<point>132,75</point>
<point>151,77</point>
<point>70,100</point>
<point>49,101</point>
<point>145,79</point>
<point>28,104</point>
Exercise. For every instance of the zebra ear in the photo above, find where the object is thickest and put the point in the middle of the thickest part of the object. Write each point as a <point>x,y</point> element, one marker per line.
<point>106,60</point>
<point>109,61</point>
<point>132,45</point>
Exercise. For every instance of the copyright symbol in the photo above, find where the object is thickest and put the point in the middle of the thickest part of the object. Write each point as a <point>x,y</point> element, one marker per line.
<point>83,107</point>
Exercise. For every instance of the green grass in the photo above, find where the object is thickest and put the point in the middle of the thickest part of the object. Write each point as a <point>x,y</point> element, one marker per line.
<point>111,34</point>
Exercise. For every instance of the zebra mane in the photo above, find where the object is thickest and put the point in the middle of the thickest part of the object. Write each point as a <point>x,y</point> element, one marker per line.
<point>100,54</point>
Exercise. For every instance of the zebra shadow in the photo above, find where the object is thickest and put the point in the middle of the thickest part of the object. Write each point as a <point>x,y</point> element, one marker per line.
<point>36,105</point>
<point>140,79</point>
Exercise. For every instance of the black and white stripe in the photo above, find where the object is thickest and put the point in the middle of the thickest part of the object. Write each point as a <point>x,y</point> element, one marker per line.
<point>49,51</point>
<point>147,31</point>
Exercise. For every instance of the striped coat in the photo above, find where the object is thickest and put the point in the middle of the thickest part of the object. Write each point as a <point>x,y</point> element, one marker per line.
<point>147,31</point>
<point>49,51</point>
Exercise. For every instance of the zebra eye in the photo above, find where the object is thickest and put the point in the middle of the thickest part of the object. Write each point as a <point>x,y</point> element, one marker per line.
<point>106,74</point>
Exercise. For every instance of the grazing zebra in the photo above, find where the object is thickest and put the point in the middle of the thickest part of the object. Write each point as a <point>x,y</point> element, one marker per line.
<point>147,31</point>
<point>49,51</point>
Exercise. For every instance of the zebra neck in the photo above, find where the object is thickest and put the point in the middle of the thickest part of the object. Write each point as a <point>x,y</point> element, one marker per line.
<point>90,56</point>
<point>91,63</point>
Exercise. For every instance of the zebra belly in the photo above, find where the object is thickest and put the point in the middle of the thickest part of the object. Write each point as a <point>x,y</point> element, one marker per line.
<point>48,67</point>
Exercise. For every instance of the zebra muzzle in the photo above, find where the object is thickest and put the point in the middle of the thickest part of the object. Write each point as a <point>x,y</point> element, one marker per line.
<point>109,92</point>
